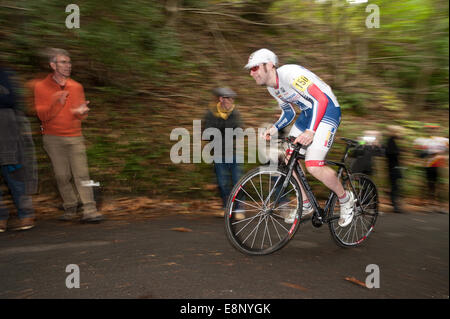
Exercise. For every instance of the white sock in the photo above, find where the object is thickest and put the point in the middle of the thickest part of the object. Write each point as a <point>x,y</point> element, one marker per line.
<point>344,199</point>
<point>307,204</point>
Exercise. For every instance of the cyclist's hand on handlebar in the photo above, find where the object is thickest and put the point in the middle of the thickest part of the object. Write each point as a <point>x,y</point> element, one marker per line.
<point>305,138</point>
<point>269,133</point>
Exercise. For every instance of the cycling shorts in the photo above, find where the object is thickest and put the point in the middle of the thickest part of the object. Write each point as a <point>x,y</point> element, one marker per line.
<point>317,151</point>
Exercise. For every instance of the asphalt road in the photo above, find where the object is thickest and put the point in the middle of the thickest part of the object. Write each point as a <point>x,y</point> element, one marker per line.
<point>149,259</point>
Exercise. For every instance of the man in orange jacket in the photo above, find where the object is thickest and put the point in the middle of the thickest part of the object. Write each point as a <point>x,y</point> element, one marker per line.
<point>61,106</point>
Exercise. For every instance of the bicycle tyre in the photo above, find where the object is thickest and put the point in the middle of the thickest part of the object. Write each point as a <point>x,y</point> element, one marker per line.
<point>366,213</point>
<point>249,197</point>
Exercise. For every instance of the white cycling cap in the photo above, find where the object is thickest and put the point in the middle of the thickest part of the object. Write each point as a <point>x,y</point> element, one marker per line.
<point>261,56</point>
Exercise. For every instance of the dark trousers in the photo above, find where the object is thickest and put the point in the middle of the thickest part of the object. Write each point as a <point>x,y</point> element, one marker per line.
<point>227,175</point>
<point>395,177</point>
<point>432,175</point>
<point>21,200</point>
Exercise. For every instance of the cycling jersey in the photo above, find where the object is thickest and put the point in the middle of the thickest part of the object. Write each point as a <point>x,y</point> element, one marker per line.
<point>299,86</point>
<point>321,112</point>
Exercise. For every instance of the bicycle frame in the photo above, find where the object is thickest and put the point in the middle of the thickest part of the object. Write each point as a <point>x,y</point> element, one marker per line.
<point>319,217</point>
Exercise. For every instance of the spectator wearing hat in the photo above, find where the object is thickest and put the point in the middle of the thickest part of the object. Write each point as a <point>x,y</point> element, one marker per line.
<point>221,115</point>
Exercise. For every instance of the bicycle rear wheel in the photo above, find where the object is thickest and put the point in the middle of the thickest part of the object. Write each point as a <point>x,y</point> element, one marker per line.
<point>366,213</point>
<point>254,224</point>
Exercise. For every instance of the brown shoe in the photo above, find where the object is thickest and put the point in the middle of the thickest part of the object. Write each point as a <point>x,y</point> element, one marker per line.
<point>25,223</point>
<point>3,224</point>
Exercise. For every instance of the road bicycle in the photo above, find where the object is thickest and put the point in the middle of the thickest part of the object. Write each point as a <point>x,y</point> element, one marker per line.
<point>255,218</point>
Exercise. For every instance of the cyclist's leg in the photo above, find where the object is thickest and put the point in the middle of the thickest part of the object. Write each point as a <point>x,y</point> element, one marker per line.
<point>315,164</point>
<point>321,145</point>
<point>316,154</point>
<point>296,130</point>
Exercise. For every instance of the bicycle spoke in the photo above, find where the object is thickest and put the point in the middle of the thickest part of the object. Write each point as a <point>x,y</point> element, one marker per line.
<point>271,191</point>
<point>251,219</point>
<point>370,212</point>
<point>244,220</point>
<point>245,203</point>
<point>262,229</point>
<point>286,194</point>
<point>250,232</point>
<point>264,235</point>
<point>365,196</point>
<point>275,227</point>
<point>262,201</point>
<point>285,204</point>
<point>256,230</point>
<point>365,215</point>
<point>270,181</point>
<point>261,188</point>
<point>250,196</point>
<point>273,219</point>
<point>240,210</point>
<point>364,226</point>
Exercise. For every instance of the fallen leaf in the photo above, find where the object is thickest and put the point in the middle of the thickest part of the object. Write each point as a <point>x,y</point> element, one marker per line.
<point>170,264</point>
<point>356,281</point>
<point>181,229</point>
<point>298,287</point>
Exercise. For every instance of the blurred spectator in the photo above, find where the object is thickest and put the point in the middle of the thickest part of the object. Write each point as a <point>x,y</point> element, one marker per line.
<point>223,114</point>
<point>369,147</point>
<point>17,160</point>
<point>61,106</point>
<point>434,150</point>
<point>393,153</point>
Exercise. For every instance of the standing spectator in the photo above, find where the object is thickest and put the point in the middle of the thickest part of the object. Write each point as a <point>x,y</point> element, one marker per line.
<point>434,149</point>
<point>16,156</point>
<point>368,148</point>
<point>223,115</point>
<point>61,106</point>
<point>393,157</point>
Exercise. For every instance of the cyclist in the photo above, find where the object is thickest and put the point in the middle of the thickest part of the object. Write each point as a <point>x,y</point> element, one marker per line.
<point>315,127</point>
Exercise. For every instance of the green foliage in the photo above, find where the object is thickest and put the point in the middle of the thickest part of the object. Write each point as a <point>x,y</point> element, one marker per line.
<point>114,37</point>
<point>353,102</point>
<point>146,71</point>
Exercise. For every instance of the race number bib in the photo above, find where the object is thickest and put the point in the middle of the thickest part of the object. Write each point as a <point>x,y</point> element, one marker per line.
<point>301,83</point>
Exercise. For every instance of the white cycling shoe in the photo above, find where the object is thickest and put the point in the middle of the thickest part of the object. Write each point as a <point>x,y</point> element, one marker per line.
<point>291,217</point>
<point>347,211</point>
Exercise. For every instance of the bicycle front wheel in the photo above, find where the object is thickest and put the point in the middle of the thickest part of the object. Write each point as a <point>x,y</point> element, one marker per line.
<point>366,213</point>
<point>255,224</point>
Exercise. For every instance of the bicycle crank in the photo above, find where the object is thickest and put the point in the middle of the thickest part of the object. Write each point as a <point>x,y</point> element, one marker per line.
<point>316,220</point>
